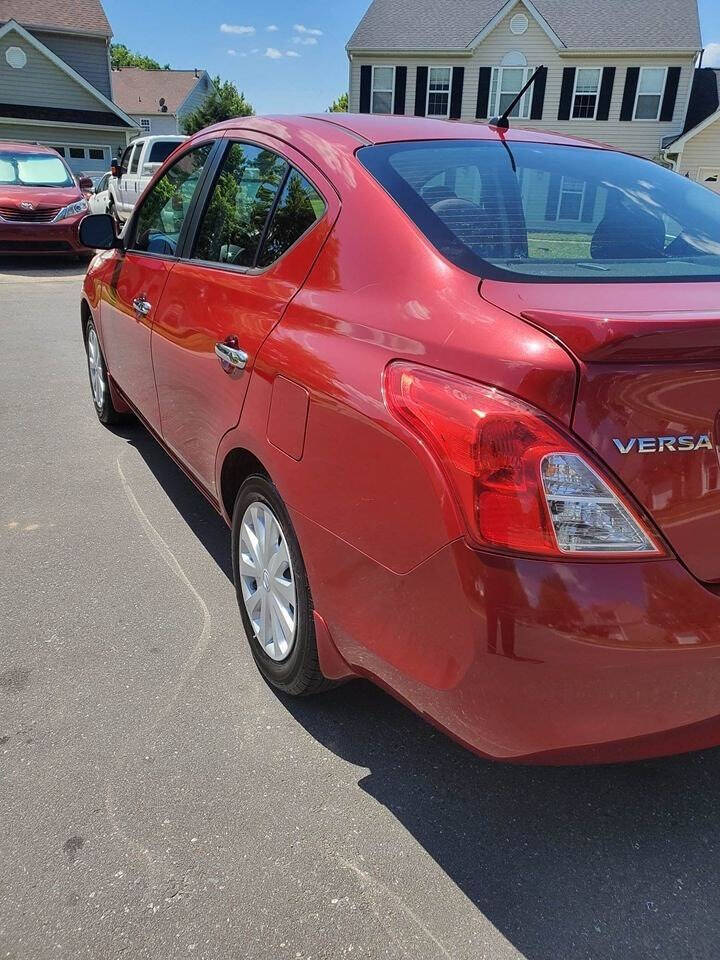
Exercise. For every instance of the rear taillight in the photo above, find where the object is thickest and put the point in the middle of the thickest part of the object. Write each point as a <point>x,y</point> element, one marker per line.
<point>521,483</point>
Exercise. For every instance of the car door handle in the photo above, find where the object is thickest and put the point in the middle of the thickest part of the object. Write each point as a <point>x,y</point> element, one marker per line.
<point>230,357</point>
<point>142,305</point>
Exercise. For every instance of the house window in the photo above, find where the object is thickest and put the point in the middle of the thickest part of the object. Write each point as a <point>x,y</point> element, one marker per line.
<point>96,153</point>
<point>383,87</point>
<point>570,201</point>
<point>145,124</point>
<point>507,81</point>
<point>77,153</point>
<point>649,93</point>
<point>585,97</point>
<point>438,101</point>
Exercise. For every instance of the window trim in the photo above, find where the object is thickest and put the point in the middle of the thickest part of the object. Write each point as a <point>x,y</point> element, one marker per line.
<point>596,94</point>
<point>202,197</point>
<point>129,232</point>
<point>384,66</point>
<point>496,72</point>
<point>656,118</point>
<point>438,116</point>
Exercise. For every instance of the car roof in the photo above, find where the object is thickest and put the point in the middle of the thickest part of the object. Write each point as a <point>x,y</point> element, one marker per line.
<point>364,129</point>
<point>18,147</point>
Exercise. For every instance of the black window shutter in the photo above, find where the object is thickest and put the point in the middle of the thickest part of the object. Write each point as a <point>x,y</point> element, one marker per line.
<point>566,92</point>
<point>588,207</point>
<point>538,97</point>
<point>606,90</point>
<point>365,83</point>
<point>456,92</point>
<point>553,195</point>
<point>670,96</point>
<point>400,85</point>
<point>632,76</point>
<point>481,110</point>
<point>421,84</point>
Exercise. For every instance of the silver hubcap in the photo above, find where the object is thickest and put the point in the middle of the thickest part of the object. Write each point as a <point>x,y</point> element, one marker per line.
<point>97,376</point>
<point>267,581</point>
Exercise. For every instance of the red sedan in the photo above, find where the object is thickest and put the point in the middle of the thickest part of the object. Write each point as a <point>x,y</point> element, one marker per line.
<point>41,203</point>
<point>455,391</point>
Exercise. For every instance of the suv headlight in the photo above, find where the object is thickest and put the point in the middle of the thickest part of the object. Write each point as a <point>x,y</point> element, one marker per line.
<point>72,209</point>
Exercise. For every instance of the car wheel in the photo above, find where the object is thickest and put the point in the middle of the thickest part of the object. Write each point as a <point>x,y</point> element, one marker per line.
<point>272,591</point>
<point>99,384</point>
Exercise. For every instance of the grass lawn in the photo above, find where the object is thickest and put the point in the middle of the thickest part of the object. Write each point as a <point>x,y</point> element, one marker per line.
<point>559,246</point>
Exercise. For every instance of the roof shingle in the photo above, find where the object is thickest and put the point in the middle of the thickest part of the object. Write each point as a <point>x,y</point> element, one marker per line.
<point>580,24</point>
<point>81,16</point>
<point>139,91</point>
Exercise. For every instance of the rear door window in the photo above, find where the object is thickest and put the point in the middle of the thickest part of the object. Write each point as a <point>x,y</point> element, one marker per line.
<point>299,207</point>
<point>240,204</point>
<point>165,208</point>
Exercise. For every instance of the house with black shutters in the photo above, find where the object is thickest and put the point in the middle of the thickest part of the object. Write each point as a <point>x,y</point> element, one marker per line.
<point>617,71</point>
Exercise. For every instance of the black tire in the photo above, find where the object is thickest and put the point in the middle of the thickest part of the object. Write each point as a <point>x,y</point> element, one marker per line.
<point>299,673</point>
<point>105,411</point>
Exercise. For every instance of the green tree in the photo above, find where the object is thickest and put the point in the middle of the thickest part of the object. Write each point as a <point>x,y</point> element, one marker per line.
<point>340,105</point>
<point>122,57</point>
<point>222,103</point>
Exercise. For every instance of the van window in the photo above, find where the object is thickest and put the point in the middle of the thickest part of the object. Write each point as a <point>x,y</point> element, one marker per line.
<point>546,212</point>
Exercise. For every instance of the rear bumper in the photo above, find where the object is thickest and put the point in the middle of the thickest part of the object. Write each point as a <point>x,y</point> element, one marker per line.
<point>528,660</point>
<point>41,238</point>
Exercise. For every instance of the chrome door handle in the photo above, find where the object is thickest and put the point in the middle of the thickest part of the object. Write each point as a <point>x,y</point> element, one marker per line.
<point>142,305</point>
<point>230,356</point>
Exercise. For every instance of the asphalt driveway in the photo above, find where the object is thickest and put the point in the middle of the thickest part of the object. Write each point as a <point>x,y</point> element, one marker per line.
<point>158,800</point>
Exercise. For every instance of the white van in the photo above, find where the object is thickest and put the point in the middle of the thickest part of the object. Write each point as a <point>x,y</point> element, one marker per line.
<point>133,171</point>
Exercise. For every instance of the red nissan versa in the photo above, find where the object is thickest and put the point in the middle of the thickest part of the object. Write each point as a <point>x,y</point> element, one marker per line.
<point>41,204</point>
<point>456,393</point>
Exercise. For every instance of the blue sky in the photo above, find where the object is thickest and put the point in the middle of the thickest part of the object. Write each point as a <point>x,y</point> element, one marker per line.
<point>288,55</point>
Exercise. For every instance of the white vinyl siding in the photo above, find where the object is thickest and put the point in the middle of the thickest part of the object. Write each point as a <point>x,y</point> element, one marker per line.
<point>643,138</point>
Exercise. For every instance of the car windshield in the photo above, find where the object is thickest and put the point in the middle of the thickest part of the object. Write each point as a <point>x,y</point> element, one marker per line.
<point>546,212</point>
<point>33,170</point>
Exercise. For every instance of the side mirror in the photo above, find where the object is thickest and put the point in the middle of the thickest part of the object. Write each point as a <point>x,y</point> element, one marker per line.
<point>148,169</point>
<point>85,183</point>
<point>115,167</point>
<point>97,231</point>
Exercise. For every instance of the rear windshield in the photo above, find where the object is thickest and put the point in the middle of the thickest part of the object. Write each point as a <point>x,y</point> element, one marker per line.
<point>544,212</point>
<point>161,150</point>
<point>33,170</point>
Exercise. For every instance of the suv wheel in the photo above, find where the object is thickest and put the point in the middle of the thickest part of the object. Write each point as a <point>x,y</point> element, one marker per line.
<point>273,592</point>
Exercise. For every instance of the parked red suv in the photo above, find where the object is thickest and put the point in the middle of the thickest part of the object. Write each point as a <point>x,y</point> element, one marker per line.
<point>456,392</point>
<point>41,203</point>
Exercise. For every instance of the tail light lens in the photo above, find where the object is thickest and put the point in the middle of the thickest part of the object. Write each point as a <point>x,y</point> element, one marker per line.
<point>521,482</point>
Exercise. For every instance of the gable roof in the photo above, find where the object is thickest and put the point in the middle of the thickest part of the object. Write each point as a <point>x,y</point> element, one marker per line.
<point>580,24</point>
<point>139,91</point>
<point>109,107</point>
<point>703,108</point>
<point>75,16</point>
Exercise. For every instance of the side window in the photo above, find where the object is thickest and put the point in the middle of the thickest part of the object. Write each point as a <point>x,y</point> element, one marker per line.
<point>162,214</point>
<point>126,159</point>
<point>135,159</point>
<point>241,200</point>
<point>299,207</point>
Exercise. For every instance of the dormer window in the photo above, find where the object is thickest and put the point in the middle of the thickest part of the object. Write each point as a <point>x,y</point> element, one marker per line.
<point>507,81</point>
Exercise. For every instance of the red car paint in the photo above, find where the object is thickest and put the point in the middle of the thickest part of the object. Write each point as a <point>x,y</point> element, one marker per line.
<point>524,658</point>
<point>21,233</point>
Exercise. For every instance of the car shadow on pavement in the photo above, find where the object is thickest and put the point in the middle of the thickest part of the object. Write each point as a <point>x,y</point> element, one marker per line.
<point>566,862</point>
<point>207,525</point>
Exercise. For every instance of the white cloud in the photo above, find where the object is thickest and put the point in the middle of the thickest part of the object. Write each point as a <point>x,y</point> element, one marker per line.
<point>273,28</point>
<point>711,57</point>
<point>291,53</point>
<point>312,31</point>
<point>305,41</point>
<point>273,53</point>
<point>233,53</point>
<point>236,28</point>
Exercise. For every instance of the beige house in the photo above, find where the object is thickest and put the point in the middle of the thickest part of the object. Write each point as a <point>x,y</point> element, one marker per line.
<point>617,71</point>
<point>696,152</point>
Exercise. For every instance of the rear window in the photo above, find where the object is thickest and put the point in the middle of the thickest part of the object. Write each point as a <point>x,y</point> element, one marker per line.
<point>545,212</point>
<point>161,150</point>
<point>33,170</point>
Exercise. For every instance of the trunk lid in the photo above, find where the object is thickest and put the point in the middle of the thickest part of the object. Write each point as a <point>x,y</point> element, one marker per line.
<point>648,396</point>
